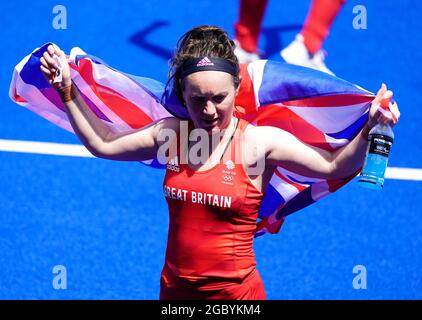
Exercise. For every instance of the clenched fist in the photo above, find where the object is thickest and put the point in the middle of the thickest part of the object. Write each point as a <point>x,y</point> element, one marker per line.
<point>54,66</point>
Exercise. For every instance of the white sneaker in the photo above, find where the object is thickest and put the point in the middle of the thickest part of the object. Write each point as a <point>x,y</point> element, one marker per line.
<point>297,53</point>
<point>244,56</point>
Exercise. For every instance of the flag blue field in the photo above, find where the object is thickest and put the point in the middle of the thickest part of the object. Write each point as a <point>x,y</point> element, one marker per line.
<point>106,221</point>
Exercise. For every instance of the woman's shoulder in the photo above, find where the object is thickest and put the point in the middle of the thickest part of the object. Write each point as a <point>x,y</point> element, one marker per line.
<point>252,136</point>
<point>254,132</point>
<point>172,123</point>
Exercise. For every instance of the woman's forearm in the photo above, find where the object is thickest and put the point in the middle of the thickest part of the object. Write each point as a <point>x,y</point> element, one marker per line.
<point>350,158</point>
<point>92,132</point>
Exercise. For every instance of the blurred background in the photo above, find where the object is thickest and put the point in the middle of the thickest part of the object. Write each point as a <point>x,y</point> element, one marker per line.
<point>106,221</point>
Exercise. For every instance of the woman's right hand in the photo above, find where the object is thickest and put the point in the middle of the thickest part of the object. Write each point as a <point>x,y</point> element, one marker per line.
<point>50,67</point>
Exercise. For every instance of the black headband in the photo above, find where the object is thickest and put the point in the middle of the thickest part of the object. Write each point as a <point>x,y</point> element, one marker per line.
<point>207,64</point>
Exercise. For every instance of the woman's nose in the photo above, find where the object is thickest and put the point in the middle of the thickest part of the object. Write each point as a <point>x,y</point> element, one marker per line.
<point>209,108</point>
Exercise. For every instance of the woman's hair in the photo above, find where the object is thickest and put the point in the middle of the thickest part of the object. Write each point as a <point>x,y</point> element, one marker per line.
<point>202,41</point>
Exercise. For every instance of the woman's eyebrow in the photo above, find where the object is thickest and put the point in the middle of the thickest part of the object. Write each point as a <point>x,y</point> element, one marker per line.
<point>224,93</point>
<point>212,94</point>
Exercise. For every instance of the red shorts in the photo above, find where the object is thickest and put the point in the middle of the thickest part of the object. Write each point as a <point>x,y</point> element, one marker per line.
<point>251,288</point>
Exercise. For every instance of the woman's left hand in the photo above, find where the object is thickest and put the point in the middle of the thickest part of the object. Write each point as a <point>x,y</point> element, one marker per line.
<point>378,112</point>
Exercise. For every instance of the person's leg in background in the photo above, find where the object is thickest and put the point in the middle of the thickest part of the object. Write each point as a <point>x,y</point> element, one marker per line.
<point>306,49</point>
<point>248,28</point>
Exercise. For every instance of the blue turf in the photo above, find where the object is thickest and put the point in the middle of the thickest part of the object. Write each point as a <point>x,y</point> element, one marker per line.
<point>107,221</point>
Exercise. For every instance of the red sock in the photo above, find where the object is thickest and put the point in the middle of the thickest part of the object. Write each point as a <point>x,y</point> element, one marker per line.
<point>248,27</point>
<point>318,22</point>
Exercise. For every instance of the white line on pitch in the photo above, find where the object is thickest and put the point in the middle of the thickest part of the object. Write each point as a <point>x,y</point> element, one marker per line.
<point>404,174</point>
<point>76,150</point>
<point>59,149</point>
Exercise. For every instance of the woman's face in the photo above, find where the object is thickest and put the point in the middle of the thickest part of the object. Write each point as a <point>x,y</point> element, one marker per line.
<point>209,98</point>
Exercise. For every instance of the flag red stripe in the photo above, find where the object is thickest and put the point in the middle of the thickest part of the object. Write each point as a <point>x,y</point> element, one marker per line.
<point>289,121</point>
<point>296,185</point>
<point>331,101</point>
<point>126,110</point>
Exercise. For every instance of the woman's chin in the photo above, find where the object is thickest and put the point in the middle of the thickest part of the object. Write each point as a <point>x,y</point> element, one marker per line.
<point>211,126</point>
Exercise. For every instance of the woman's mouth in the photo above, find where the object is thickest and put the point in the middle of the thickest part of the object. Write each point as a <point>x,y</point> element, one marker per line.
<point>211,122</point>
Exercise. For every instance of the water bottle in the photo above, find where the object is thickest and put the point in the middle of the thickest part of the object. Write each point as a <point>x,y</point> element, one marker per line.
<point>380,140</point>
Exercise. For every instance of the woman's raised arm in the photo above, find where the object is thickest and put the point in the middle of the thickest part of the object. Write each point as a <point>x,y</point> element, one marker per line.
<point>283,149</point>
<point>92,132</point>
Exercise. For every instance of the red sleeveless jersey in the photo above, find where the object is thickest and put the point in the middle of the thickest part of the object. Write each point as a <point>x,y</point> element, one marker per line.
<point>212,221</point>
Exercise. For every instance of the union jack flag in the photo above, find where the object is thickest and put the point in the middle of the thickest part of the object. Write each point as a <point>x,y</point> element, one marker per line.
<point>319,109</point>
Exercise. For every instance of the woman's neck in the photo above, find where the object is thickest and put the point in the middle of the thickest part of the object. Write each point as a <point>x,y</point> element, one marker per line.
<point>209,144</point>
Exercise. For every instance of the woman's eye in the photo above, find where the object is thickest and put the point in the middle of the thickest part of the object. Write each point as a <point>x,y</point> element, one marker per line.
<point>219,99</point>
<point>199,100</point>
